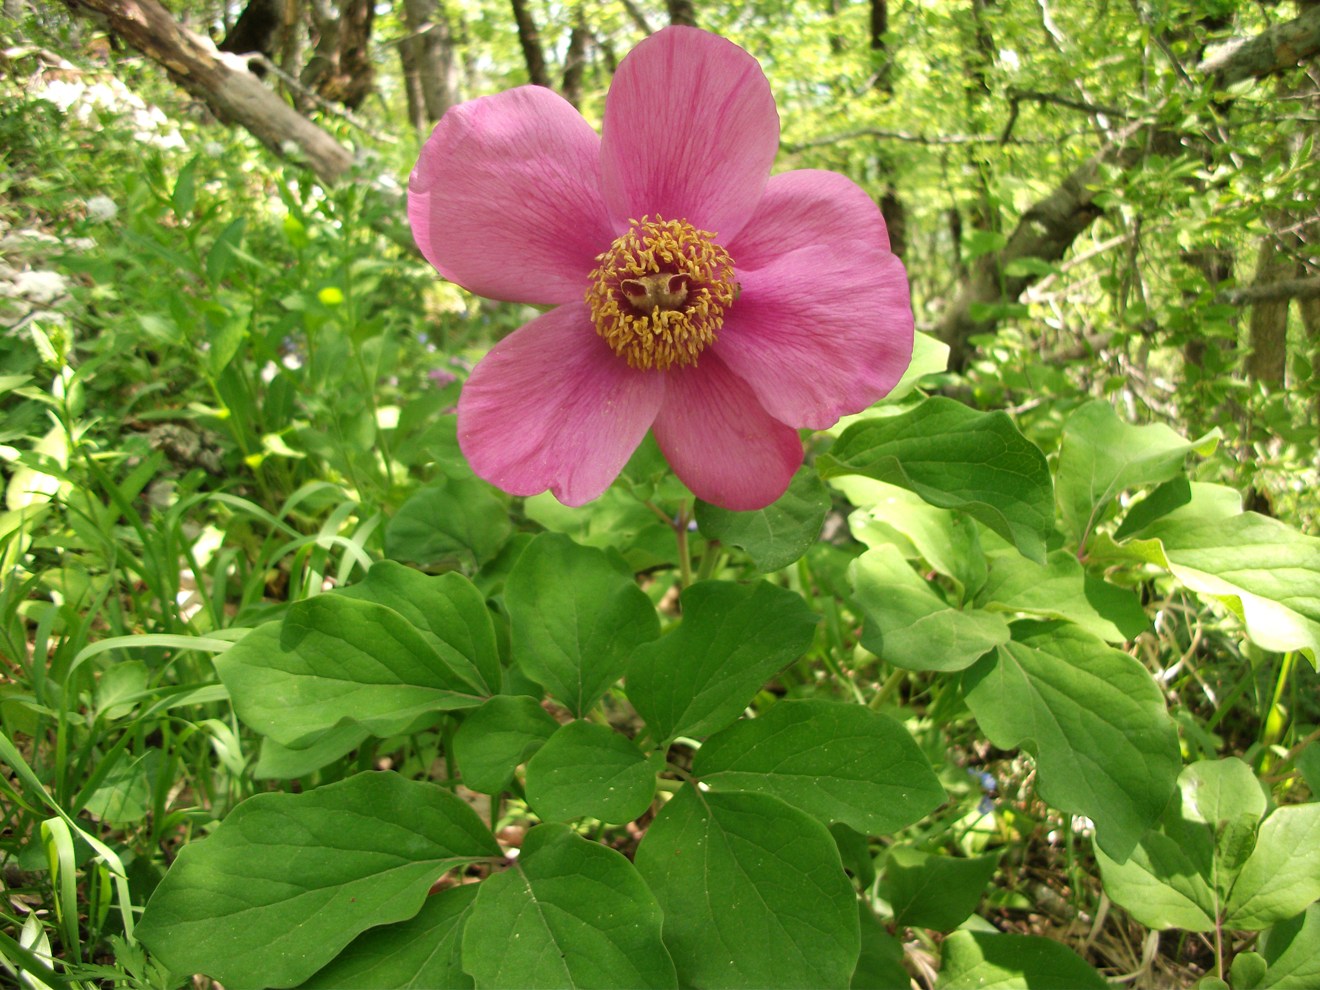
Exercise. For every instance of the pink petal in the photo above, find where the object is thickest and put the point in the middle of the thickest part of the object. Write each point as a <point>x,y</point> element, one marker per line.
<point>720,441</point>
<point>805,208</point>
<point>823,326</point>
<point>505,199</point>
<point>552,407</point>
<point>690,132</point>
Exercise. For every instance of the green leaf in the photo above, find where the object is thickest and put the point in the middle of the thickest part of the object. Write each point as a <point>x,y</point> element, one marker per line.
<point>1181,874</point>
<point>617,519</point>
<point>911,626</point>
<point>1215,791</point>
<point>1162,884</point>
<point>1281,878</point>
<point>733,638</point>
<point>837,762</point>
<point>576,615</point>
<point>279,762</point>
<point>1248,971</point>
<point>981,961</point>
<point>587,770</point>
<point>449,517</point>
<point>288,880</point>
<point>569,913</point>
<point>777,535</point>
<point>956,458</point>
<point>447,610</point>
<point>499,736</point>
<point>223,251</point>
<point>930,356</point>
<point>1292,950</point>
<point>1092,717</point>
<point>752,891</point>
<point>855,851</point>
<point>1101,456</point>
<point>1063,589</point>
<point>880,965</point>
<point>947,541</point>
<point>225,332</point>
<point>937,892</point>
<point>1266,572</point>
<point>335,661</point>
<point>422,952</point>
<point>981,242</point>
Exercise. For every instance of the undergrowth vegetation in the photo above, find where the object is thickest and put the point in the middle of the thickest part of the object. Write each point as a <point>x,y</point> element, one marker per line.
<point>227,395</point>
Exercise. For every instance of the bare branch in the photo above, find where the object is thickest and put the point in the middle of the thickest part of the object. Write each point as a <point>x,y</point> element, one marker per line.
<point>1280,291</point>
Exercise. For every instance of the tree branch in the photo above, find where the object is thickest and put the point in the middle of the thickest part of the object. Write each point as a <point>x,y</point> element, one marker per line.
<point>222,82</point>
<point>1280,291</point>
<point>1048,228</point>
<point>1274,50</point>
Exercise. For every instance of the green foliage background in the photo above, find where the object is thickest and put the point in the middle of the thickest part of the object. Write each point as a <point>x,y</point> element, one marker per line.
<point>239,396</point>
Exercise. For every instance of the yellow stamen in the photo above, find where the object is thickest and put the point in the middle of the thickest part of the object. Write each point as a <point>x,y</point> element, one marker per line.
<point>659,294</point>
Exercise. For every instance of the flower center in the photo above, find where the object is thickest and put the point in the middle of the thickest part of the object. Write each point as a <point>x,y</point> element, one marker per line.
<point>659,294</point>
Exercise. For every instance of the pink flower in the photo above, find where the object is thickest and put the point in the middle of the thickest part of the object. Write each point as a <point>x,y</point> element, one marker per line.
<point>695,295</point>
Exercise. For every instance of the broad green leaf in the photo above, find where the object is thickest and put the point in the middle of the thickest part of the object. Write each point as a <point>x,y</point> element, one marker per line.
<point>777,535</point>
<point>421,953</point>
<point>617,519</point>
<point>733,638</point>
<point>288,880</point>
<point>910,625</point>
<point>332,661</point>
<point>1163,883</point>
<point>880,965</point>
<point>855,851</point>
<point>278,762</point>
<point>1215,791</point>
<point>1265,571</point>
<point>956,458</point>
<point>1292,950</point>
<point>588,770</point>
<point>837,762</point>
<point>576,616</point>
<point>930,356</point>
<point>1248,971</point>
<point>497,738</point>
<point>937,892</point>
<point>1281,878</point>
<point>947,541</point>
<point>1063,589</point>
<point>1180,874</point>
<point>447,610</point>
<point>981,961</point>
<point>1092,717</point>
<point>449,517</point>
<point>1101,456</point>
<point>569,913</point>
<point>752,891</point>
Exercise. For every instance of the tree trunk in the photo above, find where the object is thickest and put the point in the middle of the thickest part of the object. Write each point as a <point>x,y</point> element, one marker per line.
<point>575,62</point>
<point>882,60</point>
<point>530,39</point>
<point>223,83</point>
<point>681,12</point>
<point>258,29</point>
<point>340,69</point>
<point>430,47</point>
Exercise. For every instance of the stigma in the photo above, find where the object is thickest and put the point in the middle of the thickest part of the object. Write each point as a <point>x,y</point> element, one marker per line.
<point>658,295</point>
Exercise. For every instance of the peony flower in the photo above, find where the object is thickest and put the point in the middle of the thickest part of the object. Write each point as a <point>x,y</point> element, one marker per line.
<point>694,294</point>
